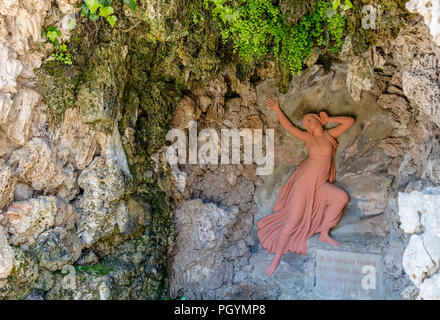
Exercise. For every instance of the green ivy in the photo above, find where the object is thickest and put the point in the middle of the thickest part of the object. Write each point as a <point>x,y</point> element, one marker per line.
<point>60,51</point>
<point>102,8</point>
<point>257,29</point>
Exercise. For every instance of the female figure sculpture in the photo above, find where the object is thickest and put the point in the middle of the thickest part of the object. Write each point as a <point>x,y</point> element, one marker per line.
<point>308,202</point>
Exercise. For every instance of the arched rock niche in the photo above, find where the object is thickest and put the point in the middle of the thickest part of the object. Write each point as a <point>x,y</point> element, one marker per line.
<point>217,253</point>
<point>387,162</point>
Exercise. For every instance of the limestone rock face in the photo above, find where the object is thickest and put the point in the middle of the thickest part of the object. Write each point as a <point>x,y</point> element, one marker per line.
<point>57,248</point>
<point>7,255</point>
<point>204,254</point>
<point>7,184</point>
<point>185,111</point>
<point>24,273</point>
<point>35,164</point>
<point>17,115</point>
<point>28,219</point>
<point>430,11</point>
<point>97,96</point>
<point>416,261</point>
<point>418,212</point>
<point>415,62</point>
<point>418,209</point>
<point>98,208</point>
<point>430,288</point>
<point>75,142</point>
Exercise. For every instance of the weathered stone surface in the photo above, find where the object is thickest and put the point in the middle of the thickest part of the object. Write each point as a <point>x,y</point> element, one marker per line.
<point>35,164</point>
<point>186,111</point>
<point>419,208</point>
<point>419,84</point>
<point>98,208</point>
<point>129,273</point>
<point>112,150</point>
<point>431,242</point>
<point>7,255</point>
<point>409,216</point>
<point>75,142</point>
<point>22,192</point>
<point>204,102</point>
<point>18,115</point>
<point>87,258</point>
<point>57,82</point>
<point>27,219</point>
<point>393,257</point>
<point>57,248</point>
<point>430,288</point>
<point>179,176</point>
<point>98,94</point>
<point>7,185</point>
<point>429,11</point>
<point>203,253</point>
<point>9,70</point>
<point>253,289</point>
<point>372,226</point>
<point>416,261</point>
<point>66,217</point>
<point>21,280</point>
<point>418,211</point>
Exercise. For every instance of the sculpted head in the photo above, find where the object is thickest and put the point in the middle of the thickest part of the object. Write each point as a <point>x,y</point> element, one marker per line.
<point>311,121</point>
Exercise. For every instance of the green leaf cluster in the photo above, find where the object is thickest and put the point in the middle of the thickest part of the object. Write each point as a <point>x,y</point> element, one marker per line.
<point>96,269</point>
<point>257,29</point>
<point>60,51</point>
<point>197,16</point>
<point>102,8</point>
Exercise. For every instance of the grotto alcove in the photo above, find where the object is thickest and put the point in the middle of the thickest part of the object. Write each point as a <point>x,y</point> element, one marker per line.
<point>94,206</point>
<point>366,167</point>
<point>385,162</point>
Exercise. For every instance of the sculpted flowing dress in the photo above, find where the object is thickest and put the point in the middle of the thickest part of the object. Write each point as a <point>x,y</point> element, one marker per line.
<point>308,202</point>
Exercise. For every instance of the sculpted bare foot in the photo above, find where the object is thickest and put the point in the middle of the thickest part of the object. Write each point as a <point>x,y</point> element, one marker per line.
<point>270,270</point>
<point>326,238</point>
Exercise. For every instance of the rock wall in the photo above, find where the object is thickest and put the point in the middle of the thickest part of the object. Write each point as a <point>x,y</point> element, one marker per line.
<point>406,82</point>
<point>86,198</point>
<point>391,150</point>
<point>367,163</point>
<point>94,206</point>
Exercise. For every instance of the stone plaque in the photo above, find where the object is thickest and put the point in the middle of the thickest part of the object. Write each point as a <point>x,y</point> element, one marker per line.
<point>348,275</point>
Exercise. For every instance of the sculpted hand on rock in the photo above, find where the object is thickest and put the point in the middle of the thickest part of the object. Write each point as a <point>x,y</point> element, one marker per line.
<point>308,202</point>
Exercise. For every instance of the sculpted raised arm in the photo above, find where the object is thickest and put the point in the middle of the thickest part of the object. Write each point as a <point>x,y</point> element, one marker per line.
<point>344,121</point>
<point>286,123</point>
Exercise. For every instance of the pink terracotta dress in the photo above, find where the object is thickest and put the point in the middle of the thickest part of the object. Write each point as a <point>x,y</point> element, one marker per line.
<point>308,202</point>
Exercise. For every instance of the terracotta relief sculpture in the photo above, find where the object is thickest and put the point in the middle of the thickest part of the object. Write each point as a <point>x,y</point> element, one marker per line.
<point>308,202</point>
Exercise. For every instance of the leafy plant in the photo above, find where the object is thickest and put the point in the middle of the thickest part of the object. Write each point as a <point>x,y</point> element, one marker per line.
<point>102,8</point>
<point>59,51</point>
<point>96,269</point>
<point>257,29</point>
<point>197,16</point>
<point>250,25</point>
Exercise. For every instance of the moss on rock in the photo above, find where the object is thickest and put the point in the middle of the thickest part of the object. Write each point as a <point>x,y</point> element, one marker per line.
<point>58,84</point>
<point>21,280</point>
<point>390,16</point>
